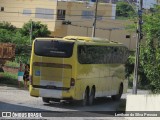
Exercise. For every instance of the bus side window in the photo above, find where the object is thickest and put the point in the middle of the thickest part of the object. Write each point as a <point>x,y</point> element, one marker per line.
<point>126,54</point>
<point>108,55</point>
<point>81,54</point>
<point>115,55</point>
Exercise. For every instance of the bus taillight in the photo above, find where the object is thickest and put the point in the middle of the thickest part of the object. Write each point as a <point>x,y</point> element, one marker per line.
<point>72,83</point>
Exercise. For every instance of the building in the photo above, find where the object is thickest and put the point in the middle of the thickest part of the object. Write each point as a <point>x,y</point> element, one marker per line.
<point>68,18</point>
<point>147,4</point>
<point>115,1</point>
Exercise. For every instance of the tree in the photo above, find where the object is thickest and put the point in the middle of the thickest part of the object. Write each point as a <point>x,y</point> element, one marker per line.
<point>7,26</point>
<point>5,36</point>
<point>38,29</point>
<point>7,31</point>
<point>150,51</point>
<point>124,9</point>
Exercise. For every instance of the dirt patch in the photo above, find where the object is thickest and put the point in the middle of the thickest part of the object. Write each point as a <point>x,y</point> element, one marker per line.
<point>10,69</point>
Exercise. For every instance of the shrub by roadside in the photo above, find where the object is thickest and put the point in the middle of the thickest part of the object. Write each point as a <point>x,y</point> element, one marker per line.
<point>12,64</point>
<point>9,79</point>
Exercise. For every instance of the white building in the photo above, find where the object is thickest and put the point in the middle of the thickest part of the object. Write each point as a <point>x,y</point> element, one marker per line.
<point>147,4</point>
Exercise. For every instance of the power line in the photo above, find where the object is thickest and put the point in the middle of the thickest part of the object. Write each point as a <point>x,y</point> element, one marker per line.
<point>64,20</point>
<point>46,21</point>
<point>120,28</point>
<point>41,19</point>
<point>99,16</point>
<point>56,9</point>
<point>51,4</point>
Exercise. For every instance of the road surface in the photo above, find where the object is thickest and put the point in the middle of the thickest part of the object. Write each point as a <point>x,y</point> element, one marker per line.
<point>18,100</point>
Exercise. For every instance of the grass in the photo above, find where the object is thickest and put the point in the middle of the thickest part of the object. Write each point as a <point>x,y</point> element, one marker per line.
<point>121,18</point>
<point>9,79</point>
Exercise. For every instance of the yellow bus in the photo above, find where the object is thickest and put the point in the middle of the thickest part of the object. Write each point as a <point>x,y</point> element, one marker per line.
<point>77,68</point>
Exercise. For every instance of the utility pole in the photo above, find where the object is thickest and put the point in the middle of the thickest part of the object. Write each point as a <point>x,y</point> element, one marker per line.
<point>139,37</point>
<point>95,19</point>
<point>31,33</point>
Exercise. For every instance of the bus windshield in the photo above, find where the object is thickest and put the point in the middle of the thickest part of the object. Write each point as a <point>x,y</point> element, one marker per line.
<point>54,48</point>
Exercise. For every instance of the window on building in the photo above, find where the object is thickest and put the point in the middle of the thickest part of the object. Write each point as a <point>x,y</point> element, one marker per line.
<point>61,14</point>
<point>27,12</point>
<point>2,8</point>
<point>44,13</point>
<point>99,17</point>
<point>87,14</point>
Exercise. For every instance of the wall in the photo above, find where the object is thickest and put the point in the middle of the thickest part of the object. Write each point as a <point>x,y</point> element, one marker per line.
<point>82,26</point>
<point>20,11</point>
<point>142,104</point>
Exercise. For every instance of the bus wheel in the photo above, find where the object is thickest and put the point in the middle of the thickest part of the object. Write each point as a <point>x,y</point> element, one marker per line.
<point>118,96</point>
<point>45,100</point>
<point>55,100</point>
<point>85,98</point>
<point>91,97</point>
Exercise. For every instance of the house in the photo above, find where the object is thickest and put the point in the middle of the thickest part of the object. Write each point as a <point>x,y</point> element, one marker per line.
<point>68,18</point>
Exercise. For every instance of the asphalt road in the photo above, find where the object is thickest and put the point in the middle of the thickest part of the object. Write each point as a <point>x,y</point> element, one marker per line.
<point>18,100</point>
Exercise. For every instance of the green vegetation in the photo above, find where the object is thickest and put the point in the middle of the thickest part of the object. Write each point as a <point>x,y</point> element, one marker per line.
<point>150,51</point>
<point>8,78</point>
<point>142,82</point>
<point>12,64</point>
<point>7,26</point>
<point>38,29</point>
<point>21,37</point>
<point>149,67</point>
<point>124,10</point>
<point>9,33</point>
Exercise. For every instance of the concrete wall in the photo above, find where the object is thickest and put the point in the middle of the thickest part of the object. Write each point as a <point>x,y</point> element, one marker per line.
<point>107,26</point>
<point>112,35</point>
<point>141,104</point>
<point>17,12</point>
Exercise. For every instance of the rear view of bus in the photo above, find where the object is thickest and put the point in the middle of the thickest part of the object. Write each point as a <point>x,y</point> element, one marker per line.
<point>51,69</point>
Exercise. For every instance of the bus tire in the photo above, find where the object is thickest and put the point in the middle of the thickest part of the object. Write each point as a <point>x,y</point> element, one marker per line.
<point>55,100</point>
<point>91,96</point>
<point>85,97</point>
<point>45,100</point>
<point>118,96</point>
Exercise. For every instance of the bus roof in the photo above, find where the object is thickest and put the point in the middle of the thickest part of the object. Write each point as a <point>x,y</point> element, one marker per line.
<point>89,39</point>
<point>82,39</point>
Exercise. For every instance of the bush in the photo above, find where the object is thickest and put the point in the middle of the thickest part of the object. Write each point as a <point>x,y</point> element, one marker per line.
<point>9,79</point>
<point>12,64</point>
